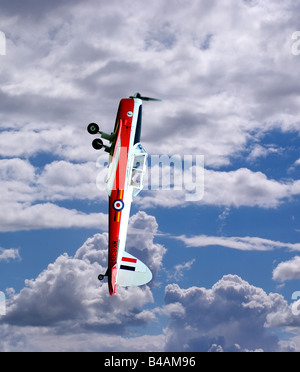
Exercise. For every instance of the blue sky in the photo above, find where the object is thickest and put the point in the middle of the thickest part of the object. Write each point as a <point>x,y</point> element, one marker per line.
<point>226,266</point>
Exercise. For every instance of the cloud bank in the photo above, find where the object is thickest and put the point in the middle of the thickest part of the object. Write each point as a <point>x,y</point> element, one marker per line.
<point>66,302</point>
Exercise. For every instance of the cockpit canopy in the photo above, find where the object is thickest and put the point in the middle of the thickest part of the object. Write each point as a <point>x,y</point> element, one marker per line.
<point>138,169</point>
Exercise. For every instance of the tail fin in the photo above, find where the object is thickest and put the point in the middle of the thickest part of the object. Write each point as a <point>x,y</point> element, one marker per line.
<point>133,272</point>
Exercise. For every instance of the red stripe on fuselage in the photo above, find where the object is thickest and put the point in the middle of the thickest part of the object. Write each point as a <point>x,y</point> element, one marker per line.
<point>124,131</point>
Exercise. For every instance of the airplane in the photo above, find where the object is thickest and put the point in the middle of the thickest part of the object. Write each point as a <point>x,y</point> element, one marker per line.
<point>126,170</point>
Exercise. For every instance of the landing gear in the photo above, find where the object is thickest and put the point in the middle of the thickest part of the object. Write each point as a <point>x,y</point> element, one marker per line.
<point>101,276</point>
<point>93,128</point>
<point>97,144</point>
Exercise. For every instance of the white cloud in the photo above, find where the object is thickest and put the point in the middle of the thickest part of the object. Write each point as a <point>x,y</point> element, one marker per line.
<point>61,180</point>
<point>17,216</point>
<point>244,187</point>
<point>16,170</point>
<point>79,69</point>
<point>294,166</point>
<point>89,55</point>
<point>74,292</point>
<point>178,271</point>
<point>231,316</point>
<point>142,230</point>
<point>259,151</point>
<point>28,195</point>
<point>227,77</point>
<point>66,302</point>
<point>247,243</point>
<point>288,270</point>
<point>41,339</point>
<point>67,141</point>
<point>9,254</point>
<point>241,187</point>
<point>67,297</point>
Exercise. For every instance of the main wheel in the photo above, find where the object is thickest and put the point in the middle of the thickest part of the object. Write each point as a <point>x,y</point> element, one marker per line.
<point>93,128</point>
<point>100,277</point>
<point>97,144</point>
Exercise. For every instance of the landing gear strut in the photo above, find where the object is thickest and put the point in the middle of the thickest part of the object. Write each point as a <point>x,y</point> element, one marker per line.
<point>101,276</point>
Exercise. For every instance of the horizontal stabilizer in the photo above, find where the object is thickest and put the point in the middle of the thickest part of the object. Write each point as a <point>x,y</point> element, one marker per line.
<point>132,272</point>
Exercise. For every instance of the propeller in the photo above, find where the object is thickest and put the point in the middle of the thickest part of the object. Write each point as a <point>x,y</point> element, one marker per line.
<point>138,95</point>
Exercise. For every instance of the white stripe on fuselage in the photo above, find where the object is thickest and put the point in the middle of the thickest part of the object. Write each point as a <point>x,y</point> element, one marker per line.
<point>128,190</point>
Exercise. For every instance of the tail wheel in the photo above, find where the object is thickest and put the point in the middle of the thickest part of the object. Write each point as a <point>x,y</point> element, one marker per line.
<point>97,144</point>
<point>93,128</point>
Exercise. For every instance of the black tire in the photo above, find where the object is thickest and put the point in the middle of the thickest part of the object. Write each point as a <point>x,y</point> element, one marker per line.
<point>93,128</point>
<point>97,144</point>
<point>100,277</point>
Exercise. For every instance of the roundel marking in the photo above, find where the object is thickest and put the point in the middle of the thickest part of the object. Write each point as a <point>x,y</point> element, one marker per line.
<point>118,205</point>
<point>130,114</point>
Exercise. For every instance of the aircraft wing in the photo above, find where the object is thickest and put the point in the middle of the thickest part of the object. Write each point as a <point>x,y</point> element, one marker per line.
<point>132,272</point>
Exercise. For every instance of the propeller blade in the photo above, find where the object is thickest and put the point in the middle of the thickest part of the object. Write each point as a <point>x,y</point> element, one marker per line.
<point>138,95</point>
<point>151,99</point>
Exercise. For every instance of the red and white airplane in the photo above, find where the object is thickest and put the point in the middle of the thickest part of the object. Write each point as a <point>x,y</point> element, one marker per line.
<point>126,169</point>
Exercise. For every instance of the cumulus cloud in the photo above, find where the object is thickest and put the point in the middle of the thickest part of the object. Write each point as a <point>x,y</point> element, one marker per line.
<point>244,187</point>
<point>49,339</point>
<point>231,316</point>
<point>294,166</point>
<point>61,180</point>
<point>68,289</point>
<point>16,169</point>
<point>9,254</point>
<point>237,188</point>
<point>64,180</point>
<point>89,55</point>
<point>142,230</point>
<point>259,151</point>
<point>66,301</point>
<point>28,195</point>
<point>227,79</point>
<point>47,216</point>
<point>288,270</point>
